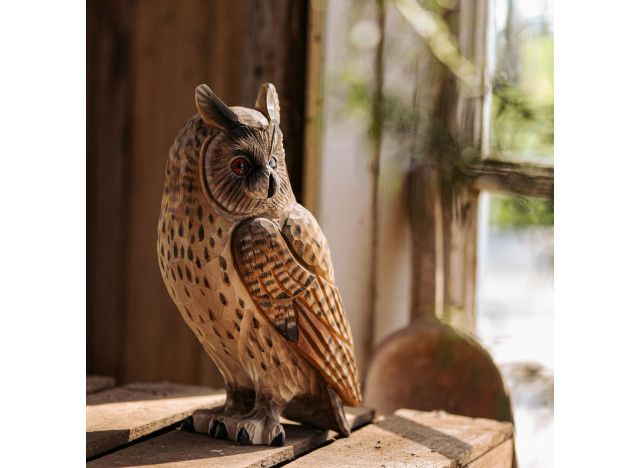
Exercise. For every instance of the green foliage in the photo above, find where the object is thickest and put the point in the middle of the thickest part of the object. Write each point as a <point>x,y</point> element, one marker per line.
<point>522,111</point>
<point>399,118</point>
<point>515,212</point>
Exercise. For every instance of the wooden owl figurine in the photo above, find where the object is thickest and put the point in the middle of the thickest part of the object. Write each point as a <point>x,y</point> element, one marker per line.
<point>250,272</point>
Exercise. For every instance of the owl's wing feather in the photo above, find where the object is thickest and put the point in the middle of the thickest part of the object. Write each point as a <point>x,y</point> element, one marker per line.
<point>302,305</point>
<point>305,238</point>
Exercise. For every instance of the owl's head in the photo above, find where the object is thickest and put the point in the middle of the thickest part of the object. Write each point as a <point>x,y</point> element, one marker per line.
<point>242,164</point>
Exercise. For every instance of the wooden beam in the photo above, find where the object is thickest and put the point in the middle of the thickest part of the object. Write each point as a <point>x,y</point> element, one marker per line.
<point>460,229</point>
<point>526,179</point>
<point>313,106</point>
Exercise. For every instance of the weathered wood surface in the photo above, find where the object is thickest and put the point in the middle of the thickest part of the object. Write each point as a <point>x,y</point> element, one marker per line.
<point>184,449</point>
<point>406,438</point>
<point>515,178</point>
<point>119,415</point>
<point>109,114</point>
<point>414,438</point>
<point>499,457</point>
<point>95,383</point>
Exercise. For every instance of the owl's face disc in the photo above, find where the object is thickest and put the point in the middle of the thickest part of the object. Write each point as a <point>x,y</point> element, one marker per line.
<point>244,171</point>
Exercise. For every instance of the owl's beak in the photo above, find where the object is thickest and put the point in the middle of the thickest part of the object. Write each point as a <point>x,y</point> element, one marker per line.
<point>273,185</point>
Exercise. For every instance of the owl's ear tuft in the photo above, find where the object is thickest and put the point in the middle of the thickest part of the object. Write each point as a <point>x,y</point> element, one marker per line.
<point>213,111</point>
<point>268,104</point>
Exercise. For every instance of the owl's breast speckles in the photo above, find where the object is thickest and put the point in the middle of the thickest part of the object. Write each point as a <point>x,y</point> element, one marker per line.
<point>190,246</point>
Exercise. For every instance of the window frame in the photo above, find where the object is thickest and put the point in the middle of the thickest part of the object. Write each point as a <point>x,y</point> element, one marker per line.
<point>445,240</point>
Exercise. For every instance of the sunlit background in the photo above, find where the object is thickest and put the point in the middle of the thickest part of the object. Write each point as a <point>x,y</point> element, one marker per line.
<point>514,295</point>
<point>515,255</point>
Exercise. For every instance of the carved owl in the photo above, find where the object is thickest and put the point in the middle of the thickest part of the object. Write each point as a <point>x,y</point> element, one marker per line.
<point>250,271</point>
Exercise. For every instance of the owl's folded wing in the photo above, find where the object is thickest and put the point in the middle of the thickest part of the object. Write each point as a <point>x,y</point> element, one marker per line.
<point>303,305</point>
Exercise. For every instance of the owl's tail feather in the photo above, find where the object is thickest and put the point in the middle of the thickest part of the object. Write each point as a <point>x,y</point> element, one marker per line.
<point>338,409</point>
<point>324,410</point>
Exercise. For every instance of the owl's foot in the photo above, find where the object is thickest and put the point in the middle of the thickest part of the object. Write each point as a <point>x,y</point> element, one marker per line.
<point>259,427</point>
<point>200,419</point>
<point>239,400</point>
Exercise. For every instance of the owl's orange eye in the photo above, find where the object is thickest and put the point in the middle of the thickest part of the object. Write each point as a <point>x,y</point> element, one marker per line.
<point>240,166</point>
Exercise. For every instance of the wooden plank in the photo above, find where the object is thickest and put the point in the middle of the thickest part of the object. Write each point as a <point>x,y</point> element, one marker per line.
<point>177,46</point>
<point>119,415</point>
<point>480,435</point>
<point>414,438</point>
<point>499,457</point>
<point>184,449</point>
<point>95,383</point>
<point>109,117</point>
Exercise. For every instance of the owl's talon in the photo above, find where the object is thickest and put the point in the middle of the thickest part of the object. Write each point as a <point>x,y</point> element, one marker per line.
<point>243,437</point>
<point>212,428</point>
<point>221,431</point>
<point>278,441</point>
<point>218,430</point>
<point>187,425</point>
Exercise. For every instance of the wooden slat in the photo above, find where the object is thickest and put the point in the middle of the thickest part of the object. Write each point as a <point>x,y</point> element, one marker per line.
<point>414,438</point>
<point>119,415</point>
<point>184,449</point>
<point>95,383</point>
<point>515,178</point>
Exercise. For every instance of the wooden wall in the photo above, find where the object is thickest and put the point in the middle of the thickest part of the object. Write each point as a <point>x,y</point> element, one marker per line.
<point>144,60</point>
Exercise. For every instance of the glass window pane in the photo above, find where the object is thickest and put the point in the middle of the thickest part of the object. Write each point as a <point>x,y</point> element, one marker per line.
<point>522,105</point>
<point>515,313</point>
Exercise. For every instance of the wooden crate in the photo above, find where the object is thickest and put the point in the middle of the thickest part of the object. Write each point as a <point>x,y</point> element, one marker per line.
<point>135,425</point>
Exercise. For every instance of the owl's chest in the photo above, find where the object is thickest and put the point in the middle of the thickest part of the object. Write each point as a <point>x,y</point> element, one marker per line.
<point>212,298</point>
<point>195,255</point>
